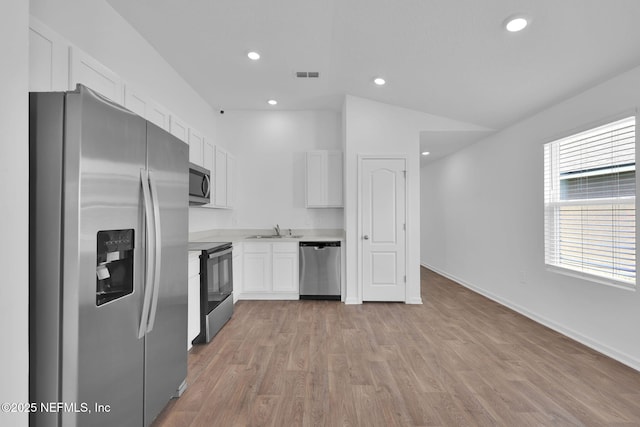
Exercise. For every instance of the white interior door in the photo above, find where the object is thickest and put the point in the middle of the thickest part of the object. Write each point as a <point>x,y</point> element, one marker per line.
<point>382,220</point>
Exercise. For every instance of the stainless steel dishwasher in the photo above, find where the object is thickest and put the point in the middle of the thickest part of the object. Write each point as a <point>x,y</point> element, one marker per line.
<point>320,270</point>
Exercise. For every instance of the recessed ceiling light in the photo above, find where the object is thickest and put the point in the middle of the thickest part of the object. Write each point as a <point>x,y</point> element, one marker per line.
<point>272,102</point>
<point>516,23</point>
<point>379,81</point>
<point>425,153</point>
<point>254,56</point>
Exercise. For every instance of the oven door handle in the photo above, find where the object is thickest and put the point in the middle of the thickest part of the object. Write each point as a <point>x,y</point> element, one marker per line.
<point>219,254</point>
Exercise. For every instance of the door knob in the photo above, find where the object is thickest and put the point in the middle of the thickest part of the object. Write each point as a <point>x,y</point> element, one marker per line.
<point>366,237</point>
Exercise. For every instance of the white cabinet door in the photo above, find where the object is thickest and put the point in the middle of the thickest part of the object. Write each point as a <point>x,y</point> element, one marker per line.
<point>48,59</point>
<point>208,155</point>
<point>285,267</point>
<point>135,101</point>
<point>220,185</point>
<point>324,179</point>
<point>178,128</point>
<point>231,180</point>
<point>256,272</point>
<point>91,73</point>
<point>196,147</point>
<point>145,107</point>
<point>237,270</point>
<point>193,299</point>
<point>223,168</point>
<point>315,179</point>
<point>158,115</point>
<point>334,179</point>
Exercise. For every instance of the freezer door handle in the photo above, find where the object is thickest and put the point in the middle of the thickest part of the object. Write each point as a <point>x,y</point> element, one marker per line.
<point>148,278</point>
<point>157,253</point>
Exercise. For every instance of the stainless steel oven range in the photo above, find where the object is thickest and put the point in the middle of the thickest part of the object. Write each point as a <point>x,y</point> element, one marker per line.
<point>216,287</point>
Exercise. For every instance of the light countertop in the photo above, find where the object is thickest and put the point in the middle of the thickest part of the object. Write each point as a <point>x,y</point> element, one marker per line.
<point>244,235</point>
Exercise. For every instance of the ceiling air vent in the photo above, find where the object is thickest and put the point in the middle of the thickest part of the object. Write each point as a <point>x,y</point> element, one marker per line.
<point>307,74</point>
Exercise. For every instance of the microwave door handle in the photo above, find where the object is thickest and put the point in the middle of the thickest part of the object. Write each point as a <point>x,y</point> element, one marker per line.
<point>206,185</point>
<point>148,287</point>
<point>158,252</point>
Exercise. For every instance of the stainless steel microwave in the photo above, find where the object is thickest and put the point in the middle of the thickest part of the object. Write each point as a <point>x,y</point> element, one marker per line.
<point>199,185</point>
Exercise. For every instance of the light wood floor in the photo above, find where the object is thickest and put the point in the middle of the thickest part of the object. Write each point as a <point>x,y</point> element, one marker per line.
<point>458,359</point>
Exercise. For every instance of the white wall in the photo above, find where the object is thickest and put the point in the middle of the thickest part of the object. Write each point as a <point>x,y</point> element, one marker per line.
<point>270,150</point>
<point>483,225</point>
<point>96,28</point>
<point>375,128</point>
<point>14,208</point>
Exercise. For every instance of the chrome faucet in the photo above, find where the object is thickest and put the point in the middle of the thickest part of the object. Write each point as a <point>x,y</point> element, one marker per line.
<point>277,228</point>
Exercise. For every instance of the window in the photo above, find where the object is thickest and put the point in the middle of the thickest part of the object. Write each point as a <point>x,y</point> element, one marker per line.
<point>589,201</point>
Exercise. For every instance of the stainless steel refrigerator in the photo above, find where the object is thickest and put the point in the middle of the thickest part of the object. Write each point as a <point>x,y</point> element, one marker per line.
<point>108,263</point>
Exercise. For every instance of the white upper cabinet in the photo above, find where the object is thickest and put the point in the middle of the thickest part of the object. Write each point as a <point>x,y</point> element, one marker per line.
<point>196,147</point>
<point>231,180</point>
<point>220,185</point>
<point>222,165</point>
<point>324,179</point>
<point>145,107</point>
<point>208,155</point>
<point>315,174</point>
<point>135,101</point>
<point>158,115</point>
<point>334,178</point>
<point>178,128</point>
<point>91,73</point>
<point>48,59</point>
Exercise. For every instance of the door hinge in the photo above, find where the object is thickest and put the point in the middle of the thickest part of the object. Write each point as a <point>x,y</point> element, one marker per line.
<point>404,173</point>
<point>404,226</point>
<point>405,279</point>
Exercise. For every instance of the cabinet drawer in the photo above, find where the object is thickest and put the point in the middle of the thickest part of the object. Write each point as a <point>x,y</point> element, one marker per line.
<point>286,247</point>
<point>257,248</point>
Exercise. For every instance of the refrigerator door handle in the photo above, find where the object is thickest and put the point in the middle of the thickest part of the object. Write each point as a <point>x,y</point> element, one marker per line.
<point>148,280</point>
<point>158,252</point>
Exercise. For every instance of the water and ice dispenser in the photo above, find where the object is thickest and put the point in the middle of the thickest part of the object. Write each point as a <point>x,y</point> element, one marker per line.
<point>114,265</point>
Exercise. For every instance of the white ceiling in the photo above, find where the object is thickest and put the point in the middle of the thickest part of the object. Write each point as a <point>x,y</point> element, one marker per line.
<point>451,58</point>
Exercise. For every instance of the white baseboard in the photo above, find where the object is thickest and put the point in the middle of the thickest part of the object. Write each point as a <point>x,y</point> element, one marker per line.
<point>620,356</point>
<point>269,296</point>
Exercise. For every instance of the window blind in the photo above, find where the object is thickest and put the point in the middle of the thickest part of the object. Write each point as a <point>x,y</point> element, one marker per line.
<point>589,198</point>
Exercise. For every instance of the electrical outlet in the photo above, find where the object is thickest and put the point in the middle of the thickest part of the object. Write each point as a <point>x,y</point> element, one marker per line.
<point>522,277</point>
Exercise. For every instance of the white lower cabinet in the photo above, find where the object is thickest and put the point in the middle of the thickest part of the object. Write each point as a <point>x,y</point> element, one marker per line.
<point>270,271</point>
<point>237,270</point>
<point>193,301</point>
<point>285,267</point>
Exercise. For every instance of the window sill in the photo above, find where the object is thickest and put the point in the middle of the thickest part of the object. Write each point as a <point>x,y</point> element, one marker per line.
<point>591,278</point>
